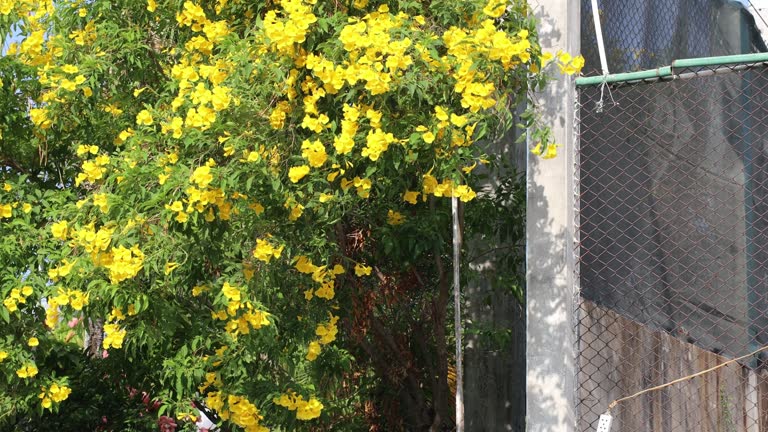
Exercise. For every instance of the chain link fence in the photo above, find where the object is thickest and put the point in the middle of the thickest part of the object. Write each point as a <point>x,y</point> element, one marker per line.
<point>646,34</point>
<point>673,220</point>
<point>673,250</point>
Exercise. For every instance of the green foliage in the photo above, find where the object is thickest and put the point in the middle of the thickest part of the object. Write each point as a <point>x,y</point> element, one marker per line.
<point>243,205</point>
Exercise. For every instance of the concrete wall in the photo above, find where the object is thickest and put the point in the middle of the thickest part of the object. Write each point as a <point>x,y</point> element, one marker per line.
<point>551,289</point>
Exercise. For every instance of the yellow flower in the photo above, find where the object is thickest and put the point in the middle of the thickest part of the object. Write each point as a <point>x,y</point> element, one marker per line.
<point>169,267</point>
<point>114,336</point>
<point>3,355</point>
<point>440,113</point>
<point>458,121</point>
<point>411,197</point>
<point>151,5</point>
<point>464,193</point>
<point>297,173</point>
<point>230,292</point>
<point>7,187</point>
<point>100,201</point>
<point>395,218</point>
<point>314,153</point>
<point>33,342</point>
<point>26,207</point>
<point>59,230</point>
<point>11,304</point>
<point>362,270</point>
<point>428,137</point>
<point>310,410</point>
<point>313,350</point>
<point>202,176</point>
<point>264,251</point>
<point>6,210</point>
<point>144,118</point>
<point>29,370</point>
<point>176,206</point>
<point>304,265</point>
<point>77,299</point>
<point>551,152</point>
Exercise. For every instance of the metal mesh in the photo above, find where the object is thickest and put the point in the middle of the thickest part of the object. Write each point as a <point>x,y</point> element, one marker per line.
<point>673,251</point>
<point>646,34</point>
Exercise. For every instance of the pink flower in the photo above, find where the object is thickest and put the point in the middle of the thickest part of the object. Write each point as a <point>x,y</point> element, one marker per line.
<point>166,424</point>
<point>73,322</point>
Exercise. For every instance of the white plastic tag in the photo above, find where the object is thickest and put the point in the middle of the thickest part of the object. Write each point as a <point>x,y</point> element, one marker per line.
<point>604,424</point>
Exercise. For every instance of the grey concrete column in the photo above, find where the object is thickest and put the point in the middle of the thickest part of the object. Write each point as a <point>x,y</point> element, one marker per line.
<point>551,289</point>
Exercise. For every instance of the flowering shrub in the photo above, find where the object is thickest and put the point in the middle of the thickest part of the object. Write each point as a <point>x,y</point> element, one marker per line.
<point>213,193</point>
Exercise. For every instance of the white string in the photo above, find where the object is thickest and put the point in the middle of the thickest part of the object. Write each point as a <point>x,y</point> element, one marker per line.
<point>600,104</point>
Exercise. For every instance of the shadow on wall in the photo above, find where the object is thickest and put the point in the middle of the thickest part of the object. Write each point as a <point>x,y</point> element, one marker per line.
<point>550,379</point>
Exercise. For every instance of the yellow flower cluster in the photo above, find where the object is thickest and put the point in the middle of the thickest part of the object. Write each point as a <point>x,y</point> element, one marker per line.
<point>54,394</point>
<point>314,153</point>
<point>395,218</point>
<point>549,153</point>
<point>291,28</point>
<point>239,409</point>
<point>6,6</point>
<point>305,409</point>
<point>345,141</point>
<point>29,370</point>
<point>39,117</point>
<point>362,186</point>
<point>252,318</point>
<point>265,251</point>
<point>75,298</point>
<point>320,274</point>
<point>62,270</point>
<point>91,240</point>
<point>568,64</point>
<point>123,263</point>
<point>374,56</point>
<point>362,270</point>
<point>200,197</point>
<point>327,332</point>
<point>60,82</point>
<point>207,99</point>
<point>6,211</point>
<point>93,170</point>
<point>377,143</point>
<point>16,296</point>
<point>446,189</point>
<point>113,336</point>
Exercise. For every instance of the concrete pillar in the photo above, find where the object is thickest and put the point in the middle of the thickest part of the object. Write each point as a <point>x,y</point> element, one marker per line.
<point>551,287</point>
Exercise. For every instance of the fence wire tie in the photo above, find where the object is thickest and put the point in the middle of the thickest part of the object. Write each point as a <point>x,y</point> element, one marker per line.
<point>599,105</point>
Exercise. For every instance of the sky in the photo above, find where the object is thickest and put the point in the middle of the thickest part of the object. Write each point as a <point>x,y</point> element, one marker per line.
<point>759,8</point>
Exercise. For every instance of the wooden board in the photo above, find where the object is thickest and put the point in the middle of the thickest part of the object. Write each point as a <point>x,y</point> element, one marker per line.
<point>619,357</point>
